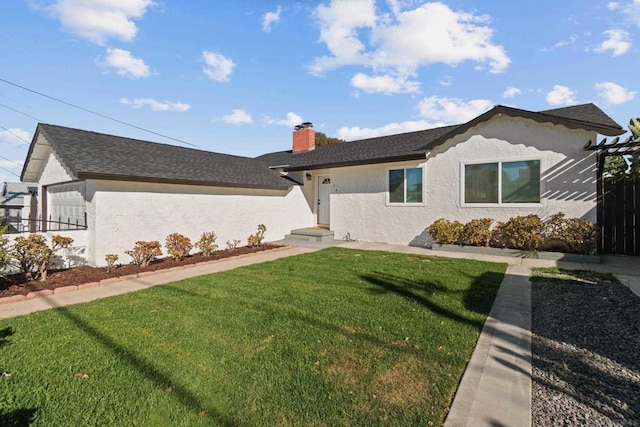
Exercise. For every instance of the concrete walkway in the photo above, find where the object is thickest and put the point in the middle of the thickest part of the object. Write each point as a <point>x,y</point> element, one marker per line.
<point>495,389</point>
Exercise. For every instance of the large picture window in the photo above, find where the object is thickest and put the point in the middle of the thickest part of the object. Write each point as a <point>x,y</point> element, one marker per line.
<point>516,182</point>
<point>405,186</point>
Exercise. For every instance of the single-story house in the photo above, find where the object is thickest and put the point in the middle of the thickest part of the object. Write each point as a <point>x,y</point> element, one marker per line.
<point>503,163</point>
<point>16,206</point>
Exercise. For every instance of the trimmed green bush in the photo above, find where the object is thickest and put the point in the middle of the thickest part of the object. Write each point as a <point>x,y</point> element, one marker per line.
<point>32,255</point>
<point>523,232</point>
<point>445,232</point>
<point>577,235</point>
<point>144,252</point>
<point>207,243</point>
<point>477,232</point>
<point>178,246</point>
<point>5,258</point>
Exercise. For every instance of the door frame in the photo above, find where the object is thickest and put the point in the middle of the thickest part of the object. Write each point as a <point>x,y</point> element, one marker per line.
<point>328,201</point>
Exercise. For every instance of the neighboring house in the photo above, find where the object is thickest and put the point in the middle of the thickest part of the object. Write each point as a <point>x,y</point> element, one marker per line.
<point>503,163</point>
<point>16,204</point>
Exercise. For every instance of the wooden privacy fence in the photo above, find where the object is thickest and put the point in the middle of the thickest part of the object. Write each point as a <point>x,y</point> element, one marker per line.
<point>620,232</point>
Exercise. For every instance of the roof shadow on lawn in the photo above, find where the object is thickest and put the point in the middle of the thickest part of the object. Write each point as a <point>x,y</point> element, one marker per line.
<point>478,299</point>
<point>4,334</point>
<point>151,372</point>
<point>21,417</point>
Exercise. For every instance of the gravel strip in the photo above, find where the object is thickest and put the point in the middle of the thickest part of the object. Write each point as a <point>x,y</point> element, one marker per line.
<point>585,354</point>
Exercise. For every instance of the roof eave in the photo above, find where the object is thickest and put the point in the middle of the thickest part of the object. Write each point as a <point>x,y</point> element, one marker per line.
<point>538,117</point>
<point>40,130</point>
<point>158,180</point>
<point>418,156</point>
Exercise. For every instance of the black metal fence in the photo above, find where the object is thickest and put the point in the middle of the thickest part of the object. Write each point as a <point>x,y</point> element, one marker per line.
<point>621,215</point>
<point>35,225</point>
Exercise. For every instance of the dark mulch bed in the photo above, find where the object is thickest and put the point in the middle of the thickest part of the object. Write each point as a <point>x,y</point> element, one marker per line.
<point>15,284</point>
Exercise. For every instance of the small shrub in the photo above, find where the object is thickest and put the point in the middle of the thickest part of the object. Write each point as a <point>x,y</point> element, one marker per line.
<point>582,236</point>
<point>111,260</point>
<point>5,258</point>
<point>232,245</point>
<point>257,238</point>
<point>523,232</point>
<point>477,232</point>
<point>178,246</point>
<point>60,242</point>
<point>207,243</point>
<point>574,234</point>
<point>445,232</point>
<point>32,256</point>
<point>497,236</point>
<point>144,252</point>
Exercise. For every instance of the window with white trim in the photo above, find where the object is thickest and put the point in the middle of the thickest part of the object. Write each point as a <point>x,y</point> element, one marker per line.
<point>501,182</point>
<point>405,186</point>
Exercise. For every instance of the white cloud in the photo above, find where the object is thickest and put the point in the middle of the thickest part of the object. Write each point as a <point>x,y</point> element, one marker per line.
<point>452,110</point>
<point>510,92</point>
<point>561,95</point>
<point>217,67</point>
<point>270,18</point>
<point>400,42</point>
<point>180,107</point>
<point>387,84</point>
<point>436,111</point>
<point>613,93</point>
<point>356,132</point>
<point>446,81</point>
<point>238,117</point>
<point>613,5</point>
<point>125,64</point>
<point>99,20</point>
<point>571,40</point>
<point>633,11</point>
<point>15,136</point>
<point>617,42</point>
<point>292,119</point>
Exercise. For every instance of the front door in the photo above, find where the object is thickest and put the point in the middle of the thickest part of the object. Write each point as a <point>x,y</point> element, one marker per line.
<point>324,191</point>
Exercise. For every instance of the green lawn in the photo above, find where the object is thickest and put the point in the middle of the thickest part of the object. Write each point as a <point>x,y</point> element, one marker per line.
<point>336,337</point>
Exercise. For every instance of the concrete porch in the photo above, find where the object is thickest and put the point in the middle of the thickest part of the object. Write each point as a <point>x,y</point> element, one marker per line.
<point>310,234</point>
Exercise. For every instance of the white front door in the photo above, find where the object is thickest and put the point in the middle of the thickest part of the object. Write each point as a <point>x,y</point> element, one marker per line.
<point>324,191</point>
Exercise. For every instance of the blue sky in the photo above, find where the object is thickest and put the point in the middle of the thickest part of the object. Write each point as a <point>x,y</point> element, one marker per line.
<point>235,77</point>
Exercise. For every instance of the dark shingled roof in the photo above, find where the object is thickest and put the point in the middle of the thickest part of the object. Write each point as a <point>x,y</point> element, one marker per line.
<point>587,113</point>
<point>414,145</point>
<point>403,146</point>
<point>101,156</point>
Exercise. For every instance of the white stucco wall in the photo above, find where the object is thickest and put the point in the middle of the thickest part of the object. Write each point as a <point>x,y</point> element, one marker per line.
<point>358,202</point>
<point>121,213</point>
<point>53,172</point>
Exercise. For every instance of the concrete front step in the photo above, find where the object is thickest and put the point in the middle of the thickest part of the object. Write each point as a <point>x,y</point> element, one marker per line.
<point>310,235</point>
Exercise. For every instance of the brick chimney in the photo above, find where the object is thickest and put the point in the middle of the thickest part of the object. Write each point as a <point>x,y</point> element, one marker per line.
<point>304,138</point>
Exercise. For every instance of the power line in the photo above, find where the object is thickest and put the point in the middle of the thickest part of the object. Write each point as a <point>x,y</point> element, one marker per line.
<point>17,136</point>
<point>20,112</point>
<point>95,113</point>
<point>14,174</point>
<point>11,161</point>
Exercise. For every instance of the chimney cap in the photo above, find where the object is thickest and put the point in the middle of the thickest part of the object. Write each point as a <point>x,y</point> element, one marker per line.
<point>304,125</point>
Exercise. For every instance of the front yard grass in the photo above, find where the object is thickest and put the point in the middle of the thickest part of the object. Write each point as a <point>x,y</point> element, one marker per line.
<point>336,337</point>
